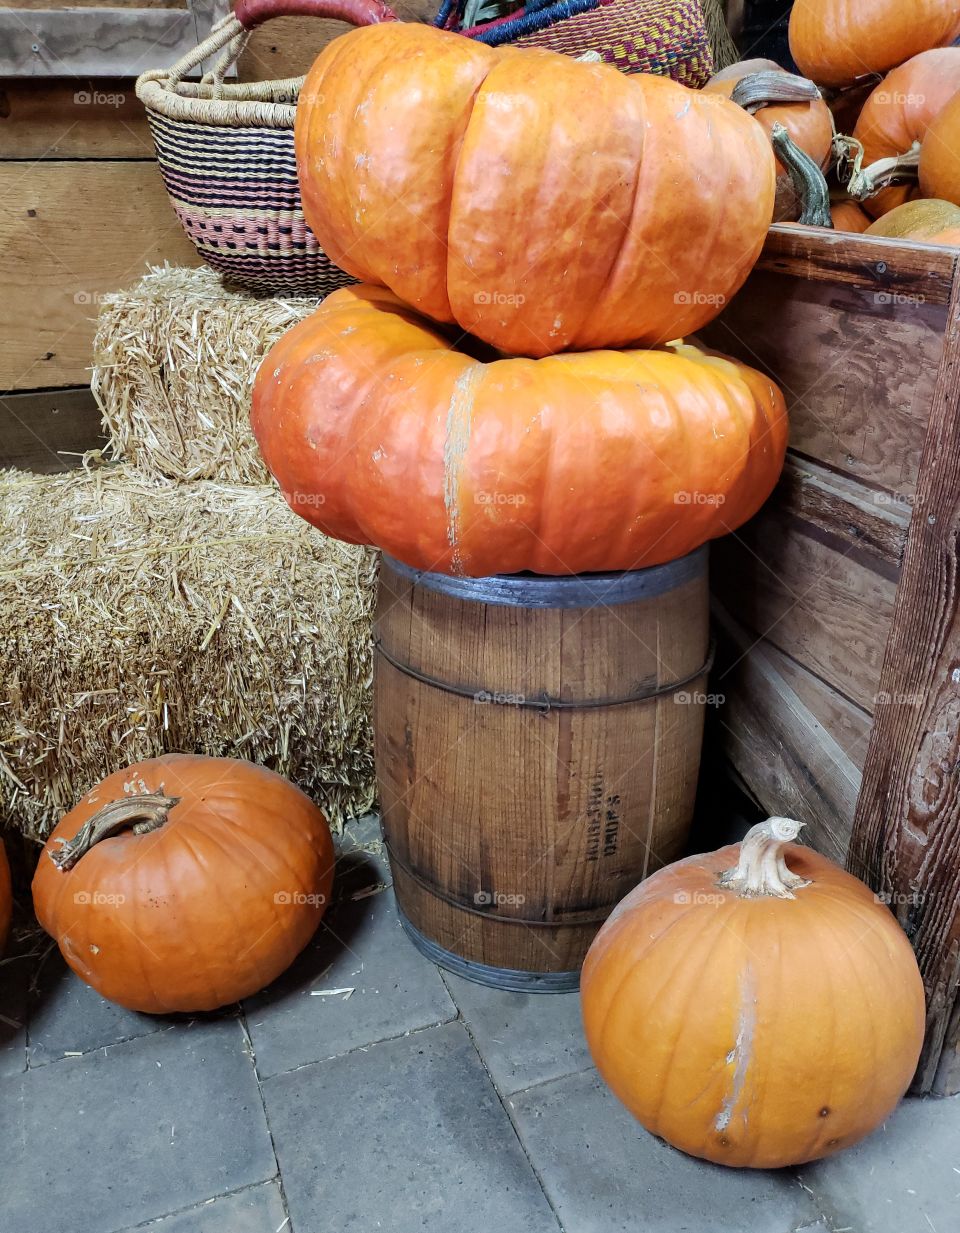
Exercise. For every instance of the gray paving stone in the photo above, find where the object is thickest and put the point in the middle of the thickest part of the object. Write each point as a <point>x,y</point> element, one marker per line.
<point>360,946</point>
<point>904,1178</point>
<point>523,1038</point>
<point>118,1137</point>
<point>605,1174</point>
<point>15,973</point>
<point>67,1016</point>
<point>407,1136</point>
<point>257,1210</point>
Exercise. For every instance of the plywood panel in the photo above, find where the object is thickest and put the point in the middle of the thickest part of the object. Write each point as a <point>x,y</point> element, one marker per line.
<point>69,233</point>
<point>75,119</point>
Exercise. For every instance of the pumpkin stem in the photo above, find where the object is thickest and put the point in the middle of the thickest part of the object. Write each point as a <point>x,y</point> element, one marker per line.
<point>868,181</point>
<point>807,179</point>
<point>758,90</point>
<point>762,869</point>
<point>152,809</point>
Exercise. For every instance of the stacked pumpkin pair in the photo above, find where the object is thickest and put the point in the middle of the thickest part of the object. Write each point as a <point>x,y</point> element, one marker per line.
<point>521,224</point>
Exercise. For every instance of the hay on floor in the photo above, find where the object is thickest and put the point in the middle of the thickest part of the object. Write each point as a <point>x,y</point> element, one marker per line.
<point>174,360</point>
<point>143,617</point>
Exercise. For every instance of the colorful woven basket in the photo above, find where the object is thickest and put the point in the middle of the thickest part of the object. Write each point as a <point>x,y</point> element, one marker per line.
<point>666,37</point>
<point>227,159</point>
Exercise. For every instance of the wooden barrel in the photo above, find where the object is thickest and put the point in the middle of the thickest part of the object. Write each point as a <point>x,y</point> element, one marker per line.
<point>537,746</point>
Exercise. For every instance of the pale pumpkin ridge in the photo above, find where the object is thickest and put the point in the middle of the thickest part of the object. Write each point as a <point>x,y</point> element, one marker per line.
<point>455,446</point>
<point>759,1075</point>
<point>685,1021</point>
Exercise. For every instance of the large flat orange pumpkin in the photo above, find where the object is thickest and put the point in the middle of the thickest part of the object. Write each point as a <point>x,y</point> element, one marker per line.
<point>379,431</point>
<point>538,202</point>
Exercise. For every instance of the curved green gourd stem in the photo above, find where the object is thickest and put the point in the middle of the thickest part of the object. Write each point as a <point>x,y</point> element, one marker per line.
<point>152,809</point>
<point>807,179</point>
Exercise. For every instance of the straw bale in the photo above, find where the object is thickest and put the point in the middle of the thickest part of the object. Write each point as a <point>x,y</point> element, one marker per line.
<point>142,616</point>
<point>174,360</point>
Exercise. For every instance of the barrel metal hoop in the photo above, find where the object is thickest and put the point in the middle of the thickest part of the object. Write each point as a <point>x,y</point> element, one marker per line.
<point>513,980</point>
<point>595,916</point>
<point>574,591</point>
<point>544,703</point>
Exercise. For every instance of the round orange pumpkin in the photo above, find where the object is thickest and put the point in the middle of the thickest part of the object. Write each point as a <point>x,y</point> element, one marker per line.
<point>849,216</point>
<point>540,203</point>
<point>836,41</point>
<point>6,899</point>
<point>808,122</point>
<point>940,155</point>
<point>185,883</point>
<point>894,122</point>
<point>918,220</point>
<point>755,1006</point>
<point>379,432</point>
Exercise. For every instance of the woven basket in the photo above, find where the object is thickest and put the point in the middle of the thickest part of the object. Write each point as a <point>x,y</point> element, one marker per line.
<point>227,158</point>
<point>666,37</point>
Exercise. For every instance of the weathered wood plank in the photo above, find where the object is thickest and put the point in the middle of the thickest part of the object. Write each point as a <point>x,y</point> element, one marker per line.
<point>76,119</point>
<point>870,263</point>
<point>100,41</point>
<point>848,724</point>
<point>70,232</point>
<point>49,430</point>
<point>857,370</point>
<point>791,762</point>
<point>906,839</point>
<point>862,517</point>
<point>825,604</point>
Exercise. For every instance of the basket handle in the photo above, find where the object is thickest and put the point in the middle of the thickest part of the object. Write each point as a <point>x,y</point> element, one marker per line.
<point>251,13</point>
<point>228,34</point>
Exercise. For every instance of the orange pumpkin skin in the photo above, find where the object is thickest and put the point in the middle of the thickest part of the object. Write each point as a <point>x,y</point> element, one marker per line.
<point>809,126</point>
<point>754,1032</point>
<point>379,432</point>
<point>540,203</point>
<point>207,909</point>
<point>837,41</point>
<point>848,216</point>
<point>940,156</point>
<point>949,238</point>
<point>6,900</point>
<point>900,111</point>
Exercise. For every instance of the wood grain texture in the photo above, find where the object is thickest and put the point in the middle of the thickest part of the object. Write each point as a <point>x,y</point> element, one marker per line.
<point>69,233</point>
<point>811,595</point>
<point>76,119</point>
<point>287,46</point>
<point>791,762</point>
<point>48,431</point>
<point>906,840</point>
<point>559,811</point>
<point>857,370</point>
<point>869,263</point>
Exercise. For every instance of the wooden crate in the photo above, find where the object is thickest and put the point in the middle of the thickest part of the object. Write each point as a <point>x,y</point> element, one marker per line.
<point>838,607</point>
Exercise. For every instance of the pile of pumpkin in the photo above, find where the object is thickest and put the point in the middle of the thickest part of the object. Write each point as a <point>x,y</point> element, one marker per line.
<point>878,110</point>
<point>558,212</point>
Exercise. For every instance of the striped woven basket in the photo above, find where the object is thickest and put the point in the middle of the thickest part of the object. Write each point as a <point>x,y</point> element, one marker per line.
<point>666,37</point>
<point>227,159</point>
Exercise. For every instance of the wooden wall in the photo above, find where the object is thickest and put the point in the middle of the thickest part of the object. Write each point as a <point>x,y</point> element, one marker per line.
<point>83,212</point>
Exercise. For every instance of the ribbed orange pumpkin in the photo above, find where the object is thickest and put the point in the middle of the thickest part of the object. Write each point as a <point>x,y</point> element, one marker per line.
<point>837,41</point>
<point>940,156</point>
<point>6,899</point>
<point>756,1006</point>
<point>897,115</point>
<point>538,202</point>
<point>848,216</point>
<point>379,432</point>
<point>184,883</point>
<point>808,124</point>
